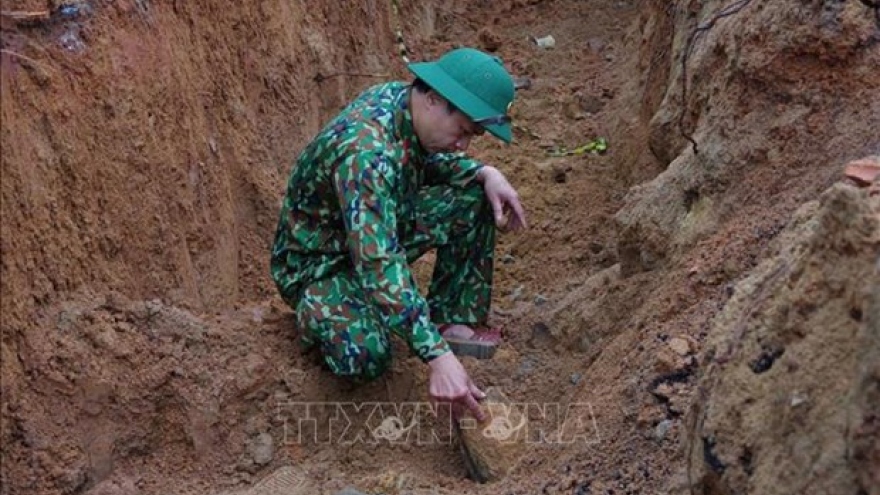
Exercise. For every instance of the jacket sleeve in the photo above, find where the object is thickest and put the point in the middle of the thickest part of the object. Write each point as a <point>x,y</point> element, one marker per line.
<point>364,182</point>
<point>455,169</point>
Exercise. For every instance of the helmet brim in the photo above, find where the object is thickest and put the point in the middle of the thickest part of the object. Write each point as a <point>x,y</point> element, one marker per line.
<point>461,98</point>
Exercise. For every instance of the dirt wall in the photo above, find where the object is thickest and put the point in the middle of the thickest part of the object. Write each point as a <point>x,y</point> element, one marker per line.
<point>778,97</point>
<point>787,404</point>
<point>214,101</point>
<point>144,151</point>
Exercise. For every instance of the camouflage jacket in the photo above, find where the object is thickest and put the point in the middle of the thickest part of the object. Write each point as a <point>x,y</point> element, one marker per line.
<point>350,196</point>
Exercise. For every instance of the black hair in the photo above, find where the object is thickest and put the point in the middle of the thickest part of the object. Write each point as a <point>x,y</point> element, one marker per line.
<point>421,86</point>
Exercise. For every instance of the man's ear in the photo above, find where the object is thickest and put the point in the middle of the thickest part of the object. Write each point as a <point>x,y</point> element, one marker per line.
<point>434,98</point>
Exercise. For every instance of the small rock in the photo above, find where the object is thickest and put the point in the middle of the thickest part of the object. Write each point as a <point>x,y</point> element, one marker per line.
<point>522,83</point>
<point>664,390</point>
<point>517,293</point>
<point>490,40</point>
<point>575,378</point>
<point>545,41</point>
<point>540,300</point>
<point>662,429</point>
<point>526,368</point>
<point>262,449</point>
<point>680,346</point>
<point>507,259</point>
<point>667,362</point>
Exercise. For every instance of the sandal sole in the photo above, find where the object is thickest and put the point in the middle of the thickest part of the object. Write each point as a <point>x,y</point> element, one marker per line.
<point>478,350</point>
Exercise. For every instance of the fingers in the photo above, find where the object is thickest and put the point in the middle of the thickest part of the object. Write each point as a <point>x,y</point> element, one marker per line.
<point>474,407</point>
<point>457,407</point>
<point>502,195</point>
<point>517,219</point>
<point>456,410</point>
<point>476,392</point>
<point>497,209</point>
<point>450,383</point>
<point>519,213</point>
<point>471,400</point>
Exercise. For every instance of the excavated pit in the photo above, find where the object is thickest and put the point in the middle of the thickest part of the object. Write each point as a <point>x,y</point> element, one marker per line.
<point>680,320</point>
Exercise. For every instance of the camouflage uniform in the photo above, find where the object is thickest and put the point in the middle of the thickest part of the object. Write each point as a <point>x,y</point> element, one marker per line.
<point>363,201</point>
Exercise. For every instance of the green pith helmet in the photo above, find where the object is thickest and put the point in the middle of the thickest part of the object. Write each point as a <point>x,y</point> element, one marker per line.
<point>476,83</point>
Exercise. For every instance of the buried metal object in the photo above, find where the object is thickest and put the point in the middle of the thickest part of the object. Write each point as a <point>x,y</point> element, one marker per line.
<point>493,448</point>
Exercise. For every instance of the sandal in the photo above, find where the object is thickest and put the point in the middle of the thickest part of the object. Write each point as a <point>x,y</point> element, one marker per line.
<point>481,345</point>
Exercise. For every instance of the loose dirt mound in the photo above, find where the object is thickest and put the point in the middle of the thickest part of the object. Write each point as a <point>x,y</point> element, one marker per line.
<point>789,400</point>
<point>145,146</point>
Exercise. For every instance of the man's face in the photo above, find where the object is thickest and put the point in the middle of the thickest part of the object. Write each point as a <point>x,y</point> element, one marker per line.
<point>447,131</point>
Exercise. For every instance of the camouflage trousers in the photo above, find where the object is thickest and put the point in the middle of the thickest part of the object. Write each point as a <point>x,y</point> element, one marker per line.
<point>458,222</point>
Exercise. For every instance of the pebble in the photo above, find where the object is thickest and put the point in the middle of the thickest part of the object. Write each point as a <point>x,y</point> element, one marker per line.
<point>797,399</point>
<point>262,449</point>
<point>680,346</point>
<point>575,378</point>
<point>664,390</point>
<point>517,293</point>
<point>525,368</point>
<point>662,429</point>
<point>522,83</point>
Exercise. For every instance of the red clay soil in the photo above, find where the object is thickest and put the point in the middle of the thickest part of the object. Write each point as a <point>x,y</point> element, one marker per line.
<point>145,148</point>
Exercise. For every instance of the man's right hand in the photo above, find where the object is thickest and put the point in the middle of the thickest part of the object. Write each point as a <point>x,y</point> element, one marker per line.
<point>503,198</point>
<point>449,382</point>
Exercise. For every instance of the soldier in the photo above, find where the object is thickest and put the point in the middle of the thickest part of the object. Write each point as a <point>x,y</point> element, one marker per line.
<point>384,182</point>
